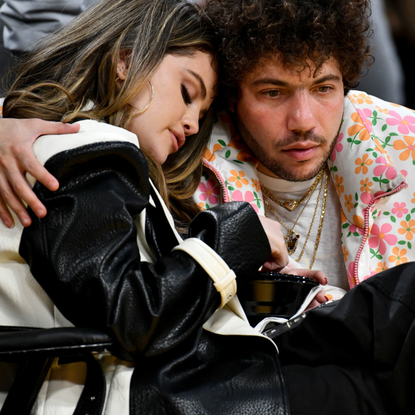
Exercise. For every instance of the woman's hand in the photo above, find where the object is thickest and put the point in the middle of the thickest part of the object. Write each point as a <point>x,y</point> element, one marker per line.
<point>279,255</point>
<point>319,276</point>
<point>16,158</point>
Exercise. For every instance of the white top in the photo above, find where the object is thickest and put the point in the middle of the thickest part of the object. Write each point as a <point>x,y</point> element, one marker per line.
<point>329,256</point>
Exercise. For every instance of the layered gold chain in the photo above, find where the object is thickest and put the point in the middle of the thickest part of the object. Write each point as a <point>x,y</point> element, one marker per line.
<point>291,238</point>
<point>292,204</point>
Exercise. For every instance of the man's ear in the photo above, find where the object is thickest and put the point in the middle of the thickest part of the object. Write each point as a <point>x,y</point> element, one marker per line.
<point>122,64</point>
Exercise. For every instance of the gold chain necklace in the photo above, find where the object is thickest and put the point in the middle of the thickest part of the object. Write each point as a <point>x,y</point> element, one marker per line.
<point>288,238</point>
<point>291,238</point>
<point>292,204</point>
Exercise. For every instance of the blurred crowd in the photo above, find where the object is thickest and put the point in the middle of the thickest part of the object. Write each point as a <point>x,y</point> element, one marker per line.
<point>391,77</point>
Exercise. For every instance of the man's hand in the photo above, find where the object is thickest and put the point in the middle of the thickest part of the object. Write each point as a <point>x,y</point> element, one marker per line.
<point>16,158</point>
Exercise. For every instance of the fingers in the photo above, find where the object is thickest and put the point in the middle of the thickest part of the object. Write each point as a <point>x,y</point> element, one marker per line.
<point>16,158</point>
<point>5,215</point>
<point>320,298</point>
<point>9,198</point>
<point>319,276</point>
<point>46,127</point>
<point>31,164</point>
<point>279,255</point>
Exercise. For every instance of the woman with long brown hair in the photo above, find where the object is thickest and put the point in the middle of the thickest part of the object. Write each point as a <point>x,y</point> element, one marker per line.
<point>139,77</point>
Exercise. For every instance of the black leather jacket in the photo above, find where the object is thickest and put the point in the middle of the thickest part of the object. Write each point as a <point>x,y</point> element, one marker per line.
<point>85,255</point>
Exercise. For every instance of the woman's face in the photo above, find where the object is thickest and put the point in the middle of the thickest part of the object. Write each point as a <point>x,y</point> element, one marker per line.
<point>183,92</point>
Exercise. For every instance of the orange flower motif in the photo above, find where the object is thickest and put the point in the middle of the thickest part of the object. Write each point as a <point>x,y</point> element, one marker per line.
<point>409,147</point>
<point>339,186</point>
<point>358,221</point>
<point>348,203</point>
<point>359,128</point>
<point>362,164</point>
<point>1,111</point>
<point>413,200</point>
<point>382,267</point>
<point>366,185</point>
<point>408,228</point>
<point>208,155</point>
<point>362,98</point>
<point>378,146</point>
<point>238,178</point>
<point>345,254</point>
<point>244,154</point>
<point>398,256</point>
<point>256,185</point>
<point>383,111</point>
<point>201,206</point>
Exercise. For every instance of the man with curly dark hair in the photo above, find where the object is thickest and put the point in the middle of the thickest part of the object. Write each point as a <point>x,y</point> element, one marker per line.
<point>327,162</point>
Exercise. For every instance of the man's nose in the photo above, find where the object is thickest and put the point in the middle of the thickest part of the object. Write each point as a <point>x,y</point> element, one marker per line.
<point>301,113</point>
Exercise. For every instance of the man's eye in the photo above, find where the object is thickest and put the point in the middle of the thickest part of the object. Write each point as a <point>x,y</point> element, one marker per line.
<point>324,89</point>
<point>273,94</point>
<point>186,96</point>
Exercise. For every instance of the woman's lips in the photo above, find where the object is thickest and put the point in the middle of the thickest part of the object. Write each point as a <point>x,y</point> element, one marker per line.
<point>177,139</point>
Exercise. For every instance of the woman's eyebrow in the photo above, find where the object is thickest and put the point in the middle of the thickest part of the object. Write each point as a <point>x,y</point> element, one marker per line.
<point>200,80</point>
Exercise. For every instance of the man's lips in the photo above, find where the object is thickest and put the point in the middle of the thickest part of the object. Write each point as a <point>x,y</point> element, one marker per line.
<point>301,151</point>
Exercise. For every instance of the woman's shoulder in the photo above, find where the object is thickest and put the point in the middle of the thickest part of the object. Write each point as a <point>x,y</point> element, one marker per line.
<point>90,132</point>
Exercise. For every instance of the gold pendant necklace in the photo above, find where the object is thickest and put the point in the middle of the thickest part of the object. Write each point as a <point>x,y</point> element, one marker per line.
<point>291,238</point>
<point>292,204</point>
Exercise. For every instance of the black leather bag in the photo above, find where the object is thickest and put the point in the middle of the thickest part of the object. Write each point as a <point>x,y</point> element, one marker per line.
<point>272,294</point>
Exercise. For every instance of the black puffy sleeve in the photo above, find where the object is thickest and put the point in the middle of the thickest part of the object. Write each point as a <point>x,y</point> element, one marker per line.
<point>85,254</point>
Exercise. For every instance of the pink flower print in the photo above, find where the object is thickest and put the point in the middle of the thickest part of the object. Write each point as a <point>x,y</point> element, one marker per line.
<point>354,228</point>
<point>209,191</point>
<point>405,125</point>
<point>380,236</point>
<point>337,148</point>
<point>384,167</point>
<point>238,196</point>
<point>363,115</point>
<point>399,209</point>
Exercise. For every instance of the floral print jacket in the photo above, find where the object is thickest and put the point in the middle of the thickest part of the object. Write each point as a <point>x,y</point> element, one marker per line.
<point>374,154</point>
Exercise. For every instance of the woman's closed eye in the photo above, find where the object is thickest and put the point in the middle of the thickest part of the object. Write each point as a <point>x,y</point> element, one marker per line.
<point>186,96</point>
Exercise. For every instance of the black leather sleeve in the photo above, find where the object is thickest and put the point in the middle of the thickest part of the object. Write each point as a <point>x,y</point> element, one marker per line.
<point>84,253</point>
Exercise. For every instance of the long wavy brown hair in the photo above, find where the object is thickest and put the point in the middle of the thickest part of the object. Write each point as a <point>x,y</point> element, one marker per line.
<point>77,65</point>
<point>295,31</point>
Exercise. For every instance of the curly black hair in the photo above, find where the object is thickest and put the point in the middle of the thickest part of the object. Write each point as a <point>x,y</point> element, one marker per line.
<point>295,31</point>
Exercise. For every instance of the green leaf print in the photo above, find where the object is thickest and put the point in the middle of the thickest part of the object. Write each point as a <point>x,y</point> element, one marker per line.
<point>228,154</point>
<point>222,143</point>
<point>408,217</point>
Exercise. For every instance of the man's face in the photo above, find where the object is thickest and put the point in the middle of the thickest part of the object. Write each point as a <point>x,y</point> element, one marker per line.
<point>290,120</point>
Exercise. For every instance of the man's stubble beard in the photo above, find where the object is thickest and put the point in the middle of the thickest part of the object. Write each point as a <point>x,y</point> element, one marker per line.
<point>273,165</point>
